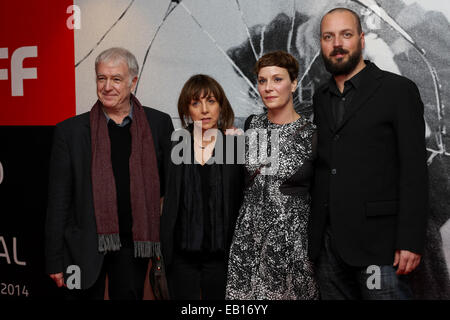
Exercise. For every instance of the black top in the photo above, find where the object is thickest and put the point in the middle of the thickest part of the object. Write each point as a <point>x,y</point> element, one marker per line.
<point>200,223</point>
<point>340,101</point>
<point>229,183</point>
<point>120,137</point>
<point>205,177</point>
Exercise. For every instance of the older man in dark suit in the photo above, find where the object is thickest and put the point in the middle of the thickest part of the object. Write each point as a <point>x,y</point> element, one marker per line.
<point>106,180</point>
<point>370,195</point>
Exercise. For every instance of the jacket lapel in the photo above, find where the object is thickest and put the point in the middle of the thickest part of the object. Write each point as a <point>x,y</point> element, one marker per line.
<point>85,143</point>
<point>174,176</point>
<point>225,179</point>
<point>326,108</point>
<point>227,171</point>
<point>225,187</point>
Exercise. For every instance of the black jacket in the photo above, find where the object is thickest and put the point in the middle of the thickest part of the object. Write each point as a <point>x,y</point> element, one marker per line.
<point>232,186</point>
<point>71,232</point>
<point>370,174</point>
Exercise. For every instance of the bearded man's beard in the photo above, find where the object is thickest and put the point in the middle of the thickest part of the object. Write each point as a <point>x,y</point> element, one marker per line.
<point>340,67</point>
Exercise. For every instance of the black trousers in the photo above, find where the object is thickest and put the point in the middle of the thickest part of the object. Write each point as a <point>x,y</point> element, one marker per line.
<point>194,276</point>
<point>340,281</point>
<point>126,277</point>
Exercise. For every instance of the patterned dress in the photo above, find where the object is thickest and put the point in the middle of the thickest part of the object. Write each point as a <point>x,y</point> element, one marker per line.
<point>268,256</point>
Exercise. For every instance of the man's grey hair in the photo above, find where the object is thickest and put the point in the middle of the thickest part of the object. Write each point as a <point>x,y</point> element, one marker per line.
<point>117,53</point>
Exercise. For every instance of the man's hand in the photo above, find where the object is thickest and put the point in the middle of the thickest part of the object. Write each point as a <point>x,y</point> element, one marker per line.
<point>406,261</point>
<point>58,278</point>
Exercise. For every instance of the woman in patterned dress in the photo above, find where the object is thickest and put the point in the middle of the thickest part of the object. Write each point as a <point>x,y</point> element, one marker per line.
<point>268,256</point>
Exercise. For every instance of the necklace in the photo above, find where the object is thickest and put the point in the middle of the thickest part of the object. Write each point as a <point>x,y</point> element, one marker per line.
<point>202,155</point>
<point>199,145</point>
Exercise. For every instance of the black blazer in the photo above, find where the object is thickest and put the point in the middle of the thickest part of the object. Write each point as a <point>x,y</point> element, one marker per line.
<point>233,185</point>
<point>370,174</point>
<point>71,232</point>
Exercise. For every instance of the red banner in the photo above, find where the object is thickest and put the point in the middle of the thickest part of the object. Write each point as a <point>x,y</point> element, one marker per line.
<point>37,74</point>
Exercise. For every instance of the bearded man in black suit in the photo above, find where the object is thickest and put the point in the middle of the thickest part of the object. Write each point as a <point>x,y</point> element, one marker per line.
<point>370,190</point>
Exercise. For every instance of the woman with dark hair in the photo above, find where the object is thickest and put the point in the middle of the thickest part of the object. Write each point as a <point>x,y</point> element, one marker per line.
<point>203,195</point>
<point>268,256</point>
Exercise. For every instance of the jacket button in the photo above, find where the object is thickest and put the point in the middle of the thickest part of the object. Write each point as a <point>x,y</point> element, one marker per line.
<point>333,171</point>
<point>336,137</point>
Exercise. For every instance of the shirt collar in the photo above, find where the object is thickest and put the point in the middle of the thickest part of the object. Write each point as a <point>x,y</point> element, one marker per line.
<point>126,120</point>
<point>356,80</point>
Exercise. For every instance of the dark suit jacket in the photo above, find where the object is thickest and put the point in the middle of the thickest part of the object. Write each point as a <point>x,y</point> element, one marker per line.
<point>371,174</point>
<point>71,234</point>
<point>233,185</point>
